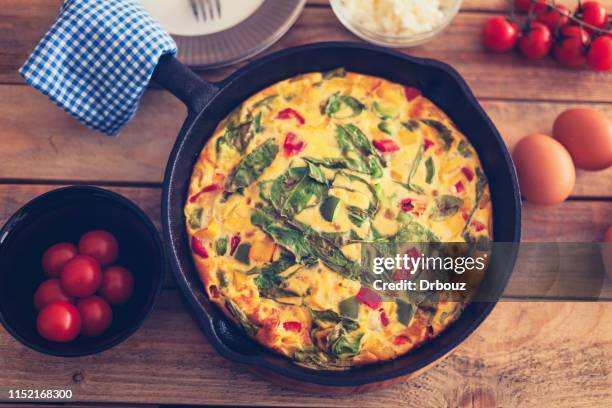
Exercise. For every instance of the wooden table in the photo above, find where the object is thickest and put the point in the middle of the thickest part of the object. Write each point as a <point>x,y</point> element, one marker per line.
<point>544,354</point>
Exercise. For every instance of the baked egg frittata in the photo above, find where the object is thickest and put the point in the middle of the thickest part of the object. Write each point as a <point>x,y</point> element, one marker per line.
<point>292,184</point>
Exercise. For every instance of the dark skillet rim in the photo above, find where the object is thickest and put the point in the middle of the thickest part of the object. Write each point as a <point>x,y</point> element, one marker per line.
<point>137,212</point>
<point>297,372</point>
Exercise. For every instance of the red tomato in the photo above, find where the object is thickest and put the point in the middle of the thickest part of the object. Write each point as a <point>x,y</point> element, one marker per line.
<point>100,245</point>
<point>599,56</point>
<point>48,292</point>
<point>96,316</point>
<point>60,321</point>
<point>536,42</point>
<point>117,285</point>
<point>56,256</point>
<point>499,34</point>
<point>570,51</point>
<point>554,18</point>
<point>593,13</point>
<point>81,276</point>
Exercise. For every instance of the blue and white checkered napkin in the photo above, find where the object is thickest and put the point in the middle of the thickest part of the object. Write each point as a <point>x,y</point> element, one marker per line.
<point>97,59</point>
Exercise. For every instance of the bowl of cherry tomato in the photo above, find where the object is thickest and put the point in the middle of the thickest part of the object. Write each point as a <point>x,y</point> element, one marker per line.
<point>80,270</point>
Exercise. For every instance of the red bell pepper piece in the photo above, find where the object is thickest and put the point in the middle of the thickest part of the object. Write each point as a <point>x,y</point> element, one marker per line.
<point>401,274</point>
<point>234,242</point>
<point>413,253</point>
<point>292,326</point>
<point>384,320</point>
<point>459,187</point>
<point>406,205</point>
<point>404,273</point>
<point>214,291</point>
<point>399,340</point>
<point>478,226</point>
<point>289,113</point>
<point>468,173</point>
<point>291,145</point>
<point>369,298</point>
<point>427,144</point>
<point>385,145</point>
<point>411,93</point>
<point>198,247</point>
<point>207,189</point>
<point>464,215</point>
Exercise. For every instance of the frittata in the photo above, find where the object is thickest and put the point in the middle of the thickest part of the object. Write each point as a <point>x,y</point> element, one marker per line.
<point>296,180</point>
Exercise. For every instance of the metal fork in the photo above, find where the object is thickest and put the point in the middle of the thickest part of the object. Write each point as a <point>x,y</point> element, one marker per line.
<point>205,10</point>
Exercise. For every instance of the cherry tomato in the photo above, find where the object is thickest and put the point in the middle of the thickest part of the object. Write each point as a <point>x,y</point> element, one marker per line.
<point>525,6</point>
<point>554,19</point>
<point>499,34</point>
<point>59,321</point>
<point>56,256</point>
<point>48,292</point>
<point>599,56</point>
<point>101,245</point>
<point>593,13</point>
<point>570,51</point>
<point>117,285</point>
<point>536,42</point>
<point>81,276</point>
<point>96,316</point>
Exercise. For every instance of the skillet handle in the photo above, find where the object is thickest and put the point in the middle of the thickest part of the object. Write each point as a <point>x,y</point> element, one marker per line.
<point>183,83</point>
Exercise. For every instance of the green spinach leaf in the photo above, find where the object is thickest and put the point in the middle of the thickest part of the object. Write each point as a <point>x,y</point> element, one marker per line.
<point>431,170</point>
<point>443,132</point>
<point>252,166</point>
<point>445,206</point>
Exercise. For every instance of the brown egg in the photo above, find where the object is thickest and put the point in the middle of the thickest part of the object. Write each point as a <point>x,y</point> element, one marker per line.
<point>545,169</point>
<point>587,136</point>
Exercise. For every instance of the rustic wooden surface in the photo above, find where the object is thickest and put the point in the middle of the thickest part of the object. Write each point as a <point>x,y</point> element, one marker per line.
<point>545,354</point>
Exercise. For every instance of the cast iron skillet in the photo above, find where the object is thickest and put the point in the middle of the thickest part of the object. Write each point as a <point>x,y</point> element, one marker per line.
<point>208,103</point>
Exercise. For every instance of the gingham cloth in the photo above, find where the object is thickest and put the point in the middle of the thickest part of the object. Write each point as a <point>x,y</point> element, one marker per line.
<point>97,59</point>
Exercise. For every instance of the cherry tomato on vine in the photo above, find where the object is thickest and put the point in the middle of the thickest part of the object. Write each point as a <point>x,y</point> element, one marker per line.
<point>570,49</point>
<point>599,55</point>
<point>593,13</point>
<point>56,256</point>
<point>60,321</point>
<point>96,316</point>
<point>499,34</point>
<point>536,41</point>
<point>554,18</point>
<point>525,6</point>
<point>81,276</point>
<point>117,285</point>
<point>100,245</point>
<point>48,292</point>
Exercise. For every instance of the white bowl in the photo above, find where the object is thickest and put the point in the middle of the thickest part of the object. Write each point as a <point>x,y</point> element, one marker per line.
<point>451,8</point>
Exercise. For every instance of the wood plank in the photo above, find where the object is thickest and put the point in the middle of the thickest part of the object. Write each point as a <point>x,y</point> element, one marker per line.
<point>493,76</point>
<point>41,141</point>
<point>516,120</point>
<point>484,5</point>
<point>56,147</point>
<point>583,222</point>
<point>519,351</point>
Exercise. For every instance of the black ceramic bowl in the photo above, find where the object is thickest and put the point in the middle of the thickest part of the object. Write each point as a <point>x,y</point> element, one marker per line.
<point>64,215</point>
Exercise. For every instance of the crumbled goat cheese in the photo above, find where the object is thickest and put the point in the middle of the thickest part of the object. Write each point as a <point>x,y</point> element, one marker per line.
<point>395,17</point>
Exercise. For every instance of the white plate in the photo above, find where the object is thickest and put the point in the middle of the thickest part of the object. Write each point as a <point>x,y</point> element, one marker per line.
<point>246,28</point>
